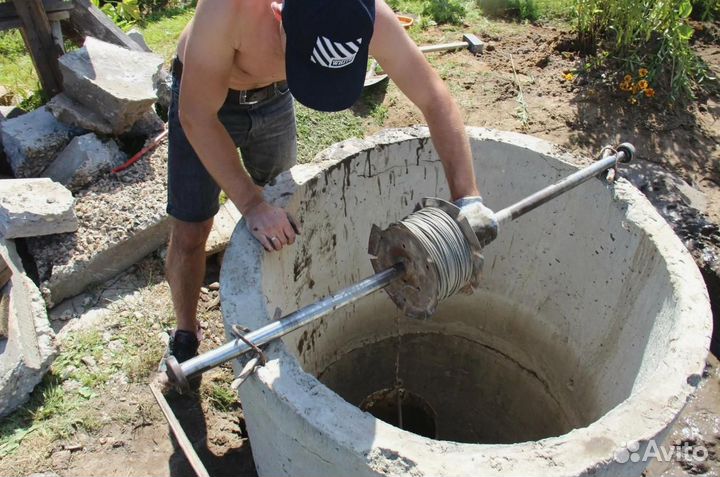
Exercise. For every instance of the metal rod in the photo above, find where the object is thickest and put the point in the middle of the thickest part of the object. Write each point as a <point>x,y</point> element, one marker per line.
<point>288,323</point>
<point>542,196</point>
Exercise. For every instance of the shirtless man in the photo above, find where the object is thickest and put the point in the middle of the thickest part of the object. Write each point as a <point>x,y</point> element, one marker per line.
<point>238,62</point>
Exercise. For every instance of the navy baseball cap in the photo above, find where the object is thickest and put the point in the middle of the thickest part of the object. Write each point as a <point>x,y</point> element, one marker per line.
<point>327,50</point>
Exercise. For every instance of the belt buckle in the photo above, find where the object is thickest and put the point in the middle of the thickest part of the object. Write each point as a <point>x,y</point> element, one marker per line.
<point>242,99</point>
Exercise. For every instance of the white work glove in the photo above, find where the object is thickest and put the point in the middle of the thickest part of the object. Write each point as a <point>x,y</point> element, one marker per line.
<point>481,219</point>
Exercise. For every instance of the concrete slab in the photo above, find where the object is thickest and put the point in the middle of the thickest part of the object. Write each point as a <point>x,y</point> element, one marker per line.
<point>223,225</point>
<point>589,331</point>
<point>115,82</point>
<point>121,219</point>
<point>32,140</point>
<point>86,158</point>
<point>34,207</point>
<point>71,112</point>
<point>29,350</point>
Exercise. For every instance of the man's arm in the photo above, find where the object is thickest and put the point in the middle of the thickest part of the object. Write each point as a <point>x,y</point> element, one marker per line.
<point>403,61</point>
<point>208,62</point>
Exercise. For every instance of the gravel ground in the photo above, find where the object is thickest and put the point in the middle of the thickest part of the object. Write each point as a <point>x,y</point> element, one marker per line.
<point>109,211</point>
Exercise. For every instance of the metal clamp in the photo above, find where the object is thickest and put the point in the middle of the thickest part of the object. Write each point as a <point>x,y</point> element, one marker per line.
<point>251,366</point>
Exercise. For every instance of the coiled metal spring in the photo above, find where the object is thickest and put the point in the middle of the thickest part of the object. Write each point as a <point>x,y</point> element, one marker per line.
<point>450,252</point>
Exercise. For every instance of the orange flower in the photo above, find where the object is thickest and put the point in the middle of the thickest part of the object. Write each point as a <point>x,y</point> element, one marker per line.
<point>643,72</point>
<point>628,78</point>
<point>635,88</point>
<point>649,92</point>
<point>643,84</point>
<point>625,86</point>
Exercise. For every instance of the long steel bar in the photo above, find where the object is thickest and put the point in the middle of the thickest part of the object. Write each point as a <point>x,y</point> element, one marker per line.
<point>180,372</point>
<point>548,193</point>
<point>290,322</point>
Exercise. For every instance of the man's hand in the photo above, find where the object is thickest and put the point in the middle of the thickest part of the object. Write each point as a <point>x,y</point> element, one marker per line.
<point>271,226</point>
<point>481,219</point>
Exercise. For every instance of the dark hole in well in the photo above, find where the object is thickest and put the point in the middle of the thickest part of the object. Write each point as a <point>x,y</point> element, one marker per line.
<point>391,405</point>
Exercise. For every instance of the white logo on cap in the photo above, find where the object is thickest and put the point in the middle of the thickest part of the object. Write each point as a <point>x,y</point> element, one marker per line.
<point>332,54</point>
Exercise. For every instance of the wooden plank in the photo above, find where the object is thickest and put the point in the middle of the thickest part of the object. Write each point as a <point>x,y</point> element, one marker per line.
<point>12,23</point>
<point>88,20</point>
<point>39,42</point>
<point>8,12</point>
<point>5,273</point>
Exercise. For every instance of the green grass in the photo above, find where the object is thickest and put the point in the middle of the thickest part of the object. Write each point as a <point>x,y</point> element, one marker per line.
<point>66,401</point>
<point>161,32</point>
<point>318,130</point>
<point>17,73</point>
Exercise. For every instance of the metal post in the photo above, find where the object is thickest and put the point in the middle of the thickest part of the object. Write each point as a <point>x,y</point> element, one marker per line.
<point>624,153</point>
<point>179,373</point>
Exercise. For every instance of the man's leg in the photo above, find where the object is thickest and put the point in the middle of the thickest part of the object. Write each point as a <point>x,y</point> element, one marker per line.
<point>192,202</point>
<point>185,269</point>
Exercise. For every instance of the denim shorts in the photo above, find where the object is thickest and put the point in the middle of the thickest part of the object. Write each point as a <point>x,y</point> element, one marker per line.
<point>264,132</point>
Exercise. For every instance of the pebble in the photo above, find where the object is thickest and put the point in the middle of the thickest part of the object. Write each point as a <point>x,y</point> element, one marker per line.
<point>89,361</point>
<point>214,286</point>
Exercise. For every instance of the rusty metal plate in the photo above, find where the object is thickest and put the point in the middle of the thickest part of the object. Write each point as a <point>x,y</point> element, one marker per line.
<point>416,294</point>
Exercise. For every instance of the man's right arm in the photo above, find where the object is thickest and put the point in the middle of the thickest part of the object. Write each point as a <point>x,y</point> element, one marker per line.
<point>208,61</point>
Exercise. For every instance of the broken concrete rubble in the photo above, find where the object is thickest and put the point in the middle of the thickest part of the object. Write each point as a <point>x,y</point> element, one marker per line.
<point>32,140</point>
<point>69,111</point>
<point>29,349</point>
<point>121,219</point>
<point>34,207</point>
<point>138,37</point>
<point>163,89</point>
<point>149,125</point>
<point>86,158</point>
<point>115,82</point>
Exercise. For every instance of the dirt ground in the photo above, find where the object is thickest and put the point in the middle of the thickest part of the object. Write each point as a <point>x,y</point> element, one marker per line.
<point>581,115</point>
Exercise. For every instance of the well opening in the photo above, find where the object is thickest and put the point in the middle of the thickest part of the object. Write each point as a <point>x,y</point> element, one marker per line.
<point>460,386</point>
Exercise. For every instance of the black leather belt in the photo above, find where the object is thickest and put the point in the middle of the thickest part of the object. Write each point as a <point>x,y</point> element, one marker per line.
<point>245,97</point>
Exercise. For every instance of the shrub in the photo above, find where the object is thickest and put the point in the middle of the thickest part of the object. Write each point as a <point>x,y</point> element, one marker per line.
<point>706,9</point>
<point>444,11</point>
<point>519,9</point>
<point>650,33</point>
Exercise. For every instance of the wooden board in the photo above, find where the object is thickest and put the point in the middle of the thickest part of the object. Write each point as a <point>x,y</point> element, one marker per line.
<point>10,23</point>
<point>8,12</point>
<point>5,273</point>
<point>39,42</point>
<point>4,315</point>
<point>88,20</point>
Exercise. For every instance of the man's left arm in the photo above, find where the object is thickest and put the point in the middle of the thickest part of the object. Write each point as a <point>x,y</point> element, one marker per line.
<point>403,61</point>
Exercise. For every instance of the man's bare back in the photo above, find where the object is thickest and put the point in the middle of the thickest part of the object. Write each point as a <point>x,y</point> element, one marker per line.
<point>259,54</point>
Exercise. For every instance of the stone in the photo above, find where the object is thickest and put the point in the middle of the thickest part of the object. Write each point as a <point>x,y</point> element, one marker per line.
<point>30,348</point>
<point>115,82</point>
<point>138,37</point>
<point>83,160</point>
<point>163,89</point>
<point>7,98</point>
<point>34,207</point>
<point>9,112</point>
<point>149,125</point>
<point>69,111</point>
<point>32,140</point>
